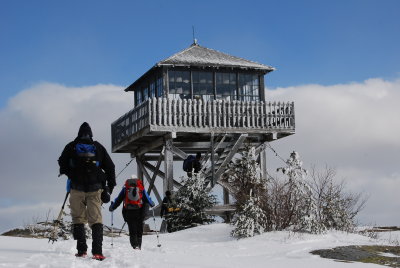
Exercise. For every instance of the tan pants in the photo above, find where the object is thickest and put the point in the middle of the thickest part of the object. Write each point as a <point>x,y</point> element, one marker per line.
<point>85,207</point>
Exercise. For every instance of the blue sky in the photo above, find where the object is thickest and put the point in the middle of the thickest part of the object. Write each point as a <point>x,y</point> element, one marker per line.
<point>79,43</point>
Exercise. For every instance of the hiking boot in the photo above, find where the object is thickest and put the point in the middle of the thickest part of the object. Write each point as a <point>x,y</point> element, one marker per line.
<point>98,257</point>
<point>81,254</point>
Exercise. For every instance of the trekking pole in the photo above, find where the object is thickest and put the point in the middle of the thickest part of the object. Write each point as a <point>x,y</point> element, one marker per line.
<point>155,227</point>
<point>112,229</point>
<point>126,165</point>
<point>53,235</point>
<point>119,234</point>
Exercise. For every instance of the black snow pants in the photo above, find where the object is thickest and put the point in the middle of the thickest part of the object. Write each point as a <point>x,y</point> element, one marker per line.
<point>97,239</point>
<point>78,231</point>
<point>134,218</point>
<point>80,237</point>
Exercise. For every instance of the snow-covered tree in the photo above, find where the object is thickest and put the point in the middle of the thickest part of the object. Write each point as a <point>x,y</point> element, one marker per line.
<point>192,200</point>
<point>297,202</point>
<point>244,177</point>
<point>336,209</point>
<point>291,202</point>
<point>311,203</point>
<point>250,219</point>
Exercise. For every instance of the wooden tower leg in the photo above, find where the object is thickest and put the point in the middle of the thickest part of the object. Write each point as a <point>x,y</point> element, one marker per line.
<point>139,169</point>
<point>226,202</point>
<point>168,166</point>
<point>263,163</point>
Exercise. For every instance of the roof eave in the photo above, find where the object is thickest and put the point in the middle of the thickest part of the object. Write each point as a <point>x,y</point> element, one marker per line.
<point>130,87</point>
<point>266,69</point>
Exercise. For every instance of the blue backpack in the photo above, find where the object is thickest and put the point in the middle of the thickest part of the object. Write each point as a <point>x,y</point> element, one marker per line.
<point>86,157</point>
<point>187,163</point>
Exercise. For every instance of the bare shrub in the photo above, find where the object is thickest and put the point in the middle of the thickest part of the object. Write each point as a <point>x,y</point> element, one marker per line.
<point>300,201</point>
<point>336,207</point>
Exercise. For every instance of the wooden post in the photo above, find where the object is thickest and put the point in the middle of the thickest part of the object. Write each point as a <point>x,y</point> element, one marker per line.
<point>168,184</point>
<point>180,120</point>
<point>168,112</point>
<point>263,163</point>
<point>159,113</point>
<point>184,113</point>
<point>214,181</point>
<point>139,169</point>
<point>226,201</point>
<point>189,111</point>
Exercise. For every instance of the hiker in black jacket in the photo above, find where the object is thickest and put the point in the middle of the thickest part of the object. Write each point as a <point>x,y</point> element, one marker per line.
<point>90,169</point>
<point>168,206</point>
<point>194,166</point>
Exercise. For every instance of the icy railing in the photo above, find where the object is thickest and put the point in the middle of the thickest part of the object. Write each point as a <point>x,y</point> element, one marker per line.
<point>163,113</point>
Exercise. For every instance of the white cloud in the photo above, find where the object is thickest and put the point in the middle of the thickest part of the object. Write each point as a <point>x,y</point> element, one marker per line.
<point>352,127</point>
<point>37,124</point>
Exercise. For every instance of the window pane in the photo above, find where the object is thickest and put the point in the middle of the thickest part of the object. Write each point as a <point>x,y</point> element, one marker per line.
<point>226,85</point>
<point>152,89</point>
<point>145,93</point>
<point>248,87</point>
<point>203,84</point>
<point>178,77</point>
<point>138,96</point>
<point>171,76</point>
<point>159,87</point>
<point>179,83</point>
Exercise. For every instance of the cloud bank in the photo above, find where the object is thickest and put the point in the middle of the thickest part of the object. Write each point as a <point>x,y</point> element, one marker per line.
<point>351,127</point>
<point>355,129</point>
<point>35,126</point>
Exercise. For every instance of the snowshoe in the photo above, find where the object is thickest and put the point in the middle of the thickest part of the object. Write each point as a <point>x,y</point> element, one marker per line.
<point>98,257</point>
<point>81,254</point>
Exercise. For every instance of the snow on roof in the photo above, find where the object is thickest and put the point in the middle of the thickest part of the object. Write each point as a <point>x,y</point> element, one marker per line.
<point>196,55</point>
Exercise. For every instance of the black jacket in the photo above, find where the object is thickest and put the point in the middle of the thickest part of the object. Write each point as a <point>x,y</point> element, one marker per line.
<point>80,180</point>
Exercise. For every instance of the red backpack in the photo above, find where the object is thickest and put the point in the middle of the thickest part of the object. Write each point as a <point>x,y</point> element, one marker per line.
<point>133,194</point>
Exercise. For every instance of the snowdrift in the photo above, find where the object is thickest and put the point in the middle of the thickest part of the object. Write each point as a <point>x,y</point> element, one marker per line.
<point>202,247</point>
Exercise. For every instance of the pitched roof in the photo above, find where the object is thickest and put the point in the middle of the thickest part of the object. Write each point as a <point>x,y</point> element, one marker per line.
<point>196,55</point>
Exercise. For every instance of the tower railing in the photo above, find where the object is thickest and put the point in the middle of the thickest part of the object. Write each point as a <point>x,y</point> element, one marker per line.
<point>163,114</point>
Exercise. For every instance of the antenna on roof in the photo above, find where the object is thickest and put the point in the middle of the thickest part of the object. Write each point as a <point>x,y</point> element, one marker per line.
<point>194,39</point>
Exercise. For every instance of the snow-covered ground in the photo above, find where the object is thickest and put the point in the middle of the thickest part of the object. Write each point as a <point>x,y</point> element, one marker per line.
<point>204,246</point>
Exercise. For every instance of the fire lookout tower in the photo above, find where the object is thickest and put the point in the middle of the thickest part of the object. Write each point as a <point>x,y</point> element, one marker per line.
<point>199,100</point>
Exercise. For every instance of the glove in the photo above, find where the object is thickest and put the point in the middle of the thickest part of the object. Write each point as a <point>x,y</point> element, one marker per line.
<point>105,196</point>
<point>111,208</point>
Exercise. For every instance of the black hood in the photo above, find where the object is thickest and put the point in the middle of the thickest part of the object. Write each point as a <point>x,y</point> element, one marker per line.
<point>85,130</point>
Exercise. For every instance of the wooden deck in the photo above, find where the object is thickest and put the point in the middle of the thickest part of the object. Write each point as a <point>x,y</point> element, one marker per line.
<point>189,120</point>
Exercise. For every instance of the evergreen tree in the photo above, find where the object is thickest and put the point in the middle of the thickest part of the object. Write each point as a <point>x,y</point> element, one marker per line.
<point>300,205</point>
<point>250,219</point>
<point>244,176</point>
<point>192,200</point>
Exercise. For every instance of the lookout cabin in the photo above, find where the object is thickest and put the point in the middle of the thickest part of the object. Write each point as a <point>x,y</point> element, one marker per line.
<point>199,100</point>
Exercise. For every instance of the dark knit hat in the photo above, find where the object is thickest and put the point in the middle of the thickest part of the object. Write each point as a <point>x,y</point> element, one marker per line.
<point>85,130</point>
